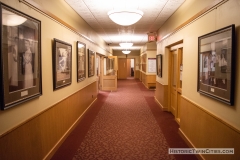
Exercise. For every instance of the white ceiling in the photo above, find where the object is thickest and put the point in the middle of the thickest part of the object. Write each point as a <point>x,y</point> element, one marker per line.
<point>94,12</point>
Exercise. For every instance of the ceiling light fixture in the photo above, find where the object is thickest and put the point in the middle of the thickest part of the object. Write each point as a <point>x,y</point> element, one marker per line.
<point>125,17</point>
<point>126,52</point>
<point>126,45</point>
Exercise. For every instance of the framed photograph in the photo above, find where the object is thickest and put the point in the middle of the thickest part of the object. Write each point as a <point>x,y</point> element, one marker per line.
<point>62,64</point>
<point>81,61</point>
<point>151,65</point>
<point>216,54</point>
<point>91,62</point>
<point>159,65</point>
<point>20,77</point>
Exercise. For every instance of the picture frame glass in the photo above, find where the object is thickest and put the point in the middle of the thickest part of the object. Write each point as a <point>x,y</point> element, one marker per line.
<point>20,57</point>
<point>215,62</point>
<point>159,65</point>
<point>151,65</point>
<point>62,64</point>
<point>91,63</point>
<point>81,61</point>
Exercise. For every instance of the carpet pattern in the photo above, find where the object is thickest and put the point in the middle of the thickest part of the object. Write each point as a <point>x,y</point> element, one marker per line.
<point>125,128</point>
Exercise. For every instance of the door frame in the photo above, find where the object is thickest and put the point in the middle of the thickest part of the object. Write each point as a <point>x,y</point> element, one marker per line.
<point>100,64</point>
<point>179,47</point>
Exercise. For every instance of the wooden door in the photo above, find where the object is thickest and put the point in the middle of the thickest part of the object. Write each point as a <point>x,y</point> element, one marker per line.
<point>122,68</point>
<point>173,82</point>
<point>179,82</point>
<point>109,81</point>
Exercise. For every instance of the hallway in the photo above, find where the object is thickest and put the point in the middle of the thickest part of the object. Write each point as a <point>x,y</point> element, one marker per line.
<point>126,124</point>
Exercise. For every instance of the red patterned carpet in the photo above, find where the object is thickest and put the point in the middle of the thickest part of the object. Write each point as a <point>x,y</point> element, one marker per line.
<point>124,125</point>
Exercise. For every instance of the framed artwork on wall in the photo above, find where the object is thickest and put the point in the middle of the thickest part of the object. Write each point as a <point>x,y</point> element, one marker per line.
<point>20,78</point>
<point>159,65</point>
<point>81,61</point>
<point>216,54</point>
<point>62,64</point>
<point>151,65</point>
<point>91,62</point>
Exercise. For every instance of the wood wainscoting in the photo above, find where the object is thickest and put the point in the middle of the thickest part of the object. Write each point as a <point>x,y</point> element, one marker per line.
<point>148,80</point>
<point>39,137</point>
<point>109,82</point>
<point>137,74</point>
<point>202,129</point>
<point>161,95</point>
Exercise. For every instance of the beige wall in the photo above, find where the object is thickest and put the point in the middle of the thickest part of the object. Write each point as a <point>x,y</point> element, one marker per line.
<point>186,11</point>
<point>51,29</point>
<point>224,15</point>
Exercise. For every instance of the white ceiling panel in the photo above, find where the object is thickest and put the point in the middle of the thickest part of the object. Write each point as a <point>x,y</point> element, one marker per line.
<point>94,12</point>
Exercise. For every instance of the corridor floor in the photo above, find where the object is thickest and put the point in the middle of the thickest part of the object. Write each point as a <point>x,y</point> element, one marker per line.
<point>124,125</point>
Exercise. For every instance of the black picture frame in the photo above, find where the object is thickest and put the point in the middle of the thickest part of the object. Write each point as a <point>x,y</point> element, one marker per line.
<point>216,54</point>
<point>91,63</point>
<point>159,65</point>
<point>62,64</point>
<point>81,61</point>
<point>20,78</point>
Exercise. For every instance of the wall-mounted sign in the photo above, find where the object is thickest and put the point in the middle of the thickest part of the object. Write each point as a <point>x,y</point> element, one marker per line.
<point>151,38</point>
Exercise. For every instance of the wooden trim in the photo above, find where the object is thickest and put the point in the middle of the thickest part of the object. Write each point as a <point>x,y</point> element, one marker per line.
<point>61,140</point>
<point>144,85</point>
<point>189,143</point>
<point>213,115</point>
<point>47,129</point>
<point>167,50</point>
<point>26,121</point>
<point>45,12</point>
<point>175,44</point>
<point>179,90</point>
<point>163,108</point>
<point>161,94</point>
<point>161,83</point>
<point>207,9</point>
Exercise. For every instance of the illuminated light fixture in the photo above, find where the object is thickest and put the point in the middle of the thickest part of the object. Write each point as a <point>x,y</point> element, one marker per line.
<point>126,45</point>
<point>125,17</point>
<point>11,19</point>
<point>126,52</point>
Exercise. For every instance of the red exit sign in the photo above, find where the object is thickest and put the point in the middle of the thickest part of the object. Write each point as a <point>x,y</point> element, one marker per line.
<point>151,38</point>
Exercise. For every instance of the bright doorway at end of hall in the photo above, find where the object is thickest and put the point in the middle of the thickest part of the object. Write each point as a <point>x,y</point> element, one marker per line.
<point>130,67</point>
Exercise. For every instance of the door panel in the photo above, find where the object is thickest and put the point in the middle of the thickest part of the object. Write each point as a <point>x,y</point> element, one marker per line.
<point>109,81</point>
<point>122,68</point>
<point>173,82</point>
